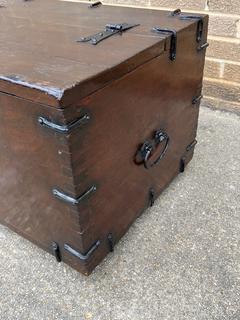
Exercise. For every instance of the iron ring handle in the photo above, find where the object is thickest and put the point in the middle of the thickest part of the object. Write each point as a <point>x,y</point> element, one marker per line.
<point>160,137</point>
<point>147,155</point>
<point>151,151</point>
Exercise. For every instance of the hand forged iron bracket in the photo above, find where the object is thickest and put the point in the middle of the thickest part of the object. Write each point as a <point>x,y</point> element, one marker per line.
<point>80,255</point>
<point>110,30</point>
<point>74,201</point>
<point>173,44</point>
<point>199,25</point>
<point>66,128</point>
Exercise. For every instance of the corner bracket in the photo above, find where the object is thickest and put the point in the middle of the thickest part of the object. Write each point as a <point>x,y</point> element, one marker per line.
<point>74,201</point>
<point>63,128</point>
<point>79,255</point>
<point>173,43</point>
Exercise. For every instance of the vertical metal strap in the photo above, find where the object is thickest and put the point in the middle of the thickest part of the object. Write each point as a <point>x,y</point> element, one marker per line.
<point>110,242</point>
<point>182,165</point>
<point>56,251</point>
<point>173,43</point>
<point>151,197</point>
<point>199,19</point>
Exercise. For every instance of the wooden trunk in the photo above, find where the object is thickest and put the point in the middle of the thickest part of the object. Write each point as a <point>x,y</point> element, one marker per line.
<point>90,135</point>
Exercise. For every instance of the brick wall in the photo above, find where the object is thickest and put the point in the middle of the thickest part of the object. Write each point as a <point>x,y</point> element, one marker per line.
<point>222,68</point>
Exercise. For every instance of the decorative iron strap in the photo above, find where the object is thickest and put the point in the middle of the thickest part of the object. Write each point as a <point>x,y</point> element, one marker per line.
<point>110,30</point>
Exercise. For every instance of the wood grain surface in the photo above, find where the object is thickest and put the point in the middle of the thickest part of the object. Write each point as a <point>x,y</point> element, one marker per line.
<point>41,60</point>
<point>129,88</point>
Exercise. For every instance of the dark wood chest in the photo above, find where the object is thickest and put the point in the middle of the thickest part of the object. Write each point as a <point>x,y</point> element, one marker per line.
<point>98,113</point>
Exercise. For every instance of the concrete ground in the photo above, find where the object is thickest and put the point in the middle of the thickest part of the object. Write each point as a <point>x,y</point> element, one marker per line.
<point>180,260</point>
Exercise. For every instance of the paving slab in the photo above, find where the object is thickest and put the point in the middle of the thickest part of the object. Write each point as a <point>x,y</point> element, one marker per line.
<point>179,261</point>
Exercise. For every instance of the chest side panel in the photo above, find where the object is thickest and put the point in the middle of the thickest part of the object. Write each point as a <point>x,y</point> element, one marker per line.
<point>33,161</point>
<point>158,95</point>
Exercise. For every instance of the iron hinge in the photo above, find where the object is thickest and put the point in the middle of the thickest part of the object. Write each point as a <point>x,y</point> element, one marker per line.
<point>110,30</point>
<point>173,43</point>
